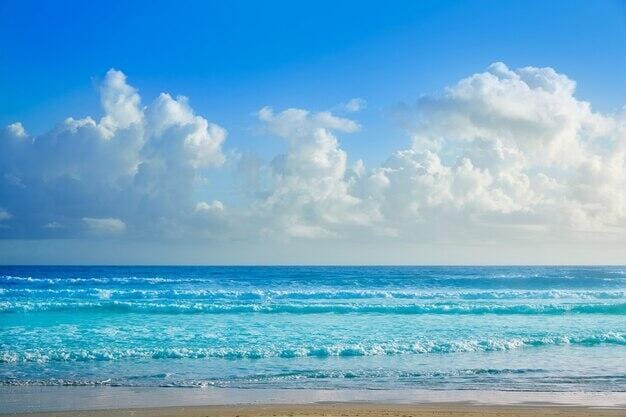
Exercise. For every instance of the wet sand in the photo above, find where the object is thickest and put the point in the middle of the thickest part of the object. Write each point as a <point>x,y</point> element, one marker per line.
<point>344,410</point>
<point>186,402</point>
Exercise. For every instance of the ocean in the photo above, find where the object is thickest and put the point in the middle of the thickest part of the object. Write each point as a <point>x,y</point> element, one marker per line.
<point>373,328</point>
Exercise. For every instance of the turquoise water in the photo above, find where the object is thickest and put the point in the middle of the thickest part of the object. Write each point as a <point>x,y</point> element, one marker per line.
<point>507,328</point>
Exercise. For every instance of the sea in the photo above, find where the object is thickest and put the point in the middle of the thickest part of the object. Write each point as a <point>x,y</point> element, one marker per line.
<point>513,328</point>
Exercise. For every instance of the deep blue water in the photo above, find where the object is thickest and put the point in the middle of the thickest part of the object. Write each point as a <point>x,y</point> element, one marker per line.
<point>512,328</point>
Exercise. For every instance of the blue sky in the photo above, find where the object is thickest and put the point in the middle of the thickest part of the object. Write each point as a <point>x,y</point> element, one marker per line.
<point>233,58</point>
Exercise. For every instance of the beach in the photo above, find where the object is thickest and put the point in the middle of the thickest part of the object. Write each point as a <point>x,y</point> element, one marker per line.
<point>343,410</point>
<point>103,401</point>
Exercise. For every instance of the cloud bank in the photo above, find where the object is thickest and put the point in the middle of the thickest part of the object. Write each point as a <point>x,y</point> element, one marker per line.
<point>501,155</point>
<point>132,172</point>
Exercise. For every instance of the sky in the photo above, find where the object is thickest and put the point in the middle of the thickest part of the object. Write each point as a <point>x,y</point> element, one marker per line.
<point>431,132</point>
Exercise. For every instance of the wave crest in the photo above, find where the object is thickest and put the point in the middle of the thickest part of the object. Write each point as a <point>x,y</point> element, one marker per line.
<point>340,350</point>
<point>316,308</point>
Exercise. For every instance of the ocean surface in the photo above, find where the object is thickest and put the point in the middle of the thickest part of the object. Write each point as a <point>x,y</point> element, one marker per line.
<point>455,328</point>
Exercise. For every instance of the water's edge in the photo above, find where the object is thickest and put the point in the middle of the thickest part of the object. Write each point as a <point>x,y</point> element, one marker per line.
<point>42,399</point>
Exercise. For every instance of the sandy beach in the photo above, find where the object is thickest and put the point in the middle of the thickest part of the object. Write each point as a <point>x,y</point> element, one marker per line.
<point>343,410</point>
<point>177,402</point>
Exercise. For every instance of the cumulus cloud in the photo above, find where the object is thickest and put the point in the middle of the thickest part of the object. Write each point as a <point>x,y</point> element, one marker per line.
<point>135,165</point>
<point>502,154</point>
<point>16,129</point>
<point>215,206</point>
<point>309,196</point>
<point>532,110</point>
<point>4,215</point>
<point>517,144</point>
<point>120,102</point>
<point>105,226</point>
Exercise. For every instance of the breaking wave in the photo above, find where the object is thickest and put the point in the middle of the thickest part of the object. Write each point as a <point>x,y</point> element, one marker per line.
<point>341,350</point>
<point>262,294</point>
<point>315,308</point>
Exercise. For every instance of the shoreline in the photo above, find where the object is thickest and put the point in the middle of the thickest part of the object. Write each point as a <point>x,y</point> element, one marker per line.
<point>342,410</point>
<point>108,401</point>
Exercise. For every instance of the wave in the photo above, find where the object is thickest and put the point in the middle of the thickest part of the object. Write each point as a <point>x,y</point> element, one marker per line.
<point>529,278</point>
<point>94,280</point>
<point>264,294</point>
<point>314,308</point>
<point>167,380</point>
<point>340,350</point>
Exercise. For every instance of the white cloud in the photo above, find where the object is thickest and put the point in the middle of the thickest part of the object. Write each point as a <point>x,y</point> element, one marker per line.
<point>213,207</point>
<point>532,110</point>
<point>170,120</point>
<point>16,129</point>
<point>53,225</point>
<point>355,105</point>
<point>310,196</point>
<point>4,215</point>
<point>121,103</point>
<point>105,226</point>
<point>501,155</point>
<point>516,143</point>
<point>141,164</point>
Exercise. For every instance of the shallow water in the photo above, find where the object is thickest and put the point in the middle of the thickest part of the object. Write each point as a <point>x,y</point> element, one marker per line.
<point>511,328</point>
